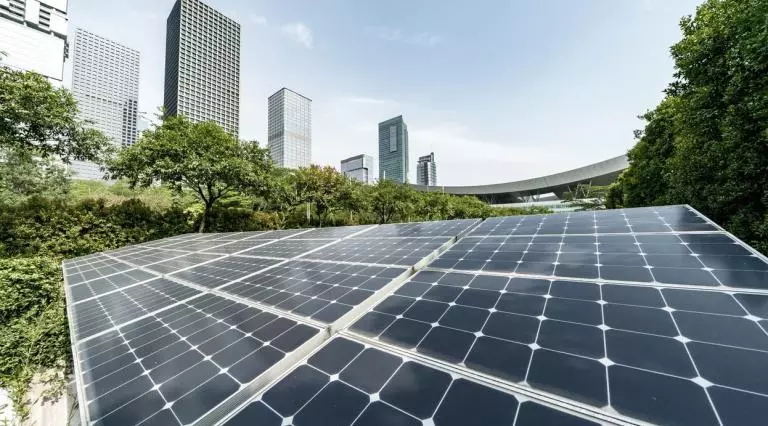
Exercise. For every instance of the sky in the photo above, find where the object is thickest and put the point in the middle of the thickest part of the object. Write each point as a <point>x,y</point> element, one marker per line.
<point>499,90</point>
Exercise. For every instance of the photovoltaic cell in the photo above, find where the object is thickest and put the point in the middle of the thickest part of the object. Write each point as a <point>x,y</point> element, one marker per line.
<point>236,246</point>
<point>176,365</point>
<point>345,383</point>
<point>319,290</point>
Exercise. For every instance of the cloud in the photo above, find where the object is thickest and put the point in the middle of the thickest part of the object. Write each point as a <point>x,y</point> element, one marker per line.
<point>299,33</point>
<point>398,35</point>
<point>257,19</point>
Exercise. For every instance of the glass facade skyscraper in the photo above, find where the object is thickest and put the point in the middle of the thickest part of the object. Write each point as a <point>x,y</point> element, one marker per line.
<point>202,65</point>
<point>359,167</point>
<point>393,150</point>
<point>289,129</point>
<point>426,170</point>
<point>105,84</point>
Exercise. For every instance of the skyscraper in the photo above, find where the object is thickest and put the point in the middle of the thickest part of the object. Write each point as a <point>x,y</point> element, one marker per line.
<point>289,129</point>
<point>33,36</point>
<point>105,84</point>
<point>393,150</point>
<point>426,170</point>
<point>202,65</point>
<point>359,167</point>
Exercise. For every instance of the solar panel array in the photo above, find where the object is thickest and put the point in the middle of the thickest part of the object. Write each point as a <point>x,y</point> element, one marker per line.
<point>652,315</point>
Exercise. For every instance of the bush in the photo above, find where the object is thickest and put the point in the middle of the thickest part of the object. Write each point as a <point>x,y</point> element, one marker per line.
<point>33,325</point>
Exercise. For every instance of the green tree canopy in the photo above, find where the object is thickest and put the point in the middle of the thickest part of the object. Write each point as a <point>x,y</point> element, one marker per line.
<point>42,120</point>
<point>323,187</point>
<point>201,157</point>
<point>706,144</point>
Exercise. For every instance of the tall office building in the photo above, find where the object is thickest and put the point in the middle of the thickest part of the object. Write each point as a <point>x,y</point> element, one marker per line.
<point>202,65</point>
<point>393,150</point>
<point>426,170</point>
<point>359,167</point>
<point>33,36</point>
<point>289,129</point>
<point>105,84</point>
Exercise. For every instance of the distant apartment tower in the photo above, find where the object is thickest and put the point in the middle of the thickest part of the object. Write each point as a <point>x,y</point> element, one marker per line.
<point>393,150</point>
<point>426,170</point>
<point>289,129</point>
<point>359,167</point>
<point>33,36</point>
<point>202,65</point>
<point>105,84</point>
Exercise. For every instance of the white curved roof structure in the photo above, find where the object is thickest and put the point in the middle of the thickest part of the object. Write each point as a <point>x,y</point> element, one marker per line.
<point>601,173</point>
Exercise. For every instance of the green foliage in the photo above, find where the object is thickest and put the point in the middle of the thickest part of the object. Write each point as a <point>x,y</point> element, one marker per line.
<point>587,197</point>
<point>33,327</point>
<point>201,157</point>
<point>22,176</point>
<point>706,144</point>
<point>41,120</point>
<point>390,200</point>
<point>324,188</point>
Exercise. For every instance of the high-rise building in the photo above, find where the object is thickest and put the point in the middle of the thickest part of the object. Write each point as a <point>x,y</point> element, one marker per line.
<point>426,170</point>
<point>33,36</point>
<point>393,150</point>
<point>202,65</point>
<point>289,129</point>
<point>359,167</point>
<point>105,84</point>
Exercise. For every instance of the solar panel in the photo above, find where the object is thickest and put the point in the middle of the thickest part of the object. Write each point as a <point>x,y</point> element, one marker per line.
<point>651,315</point>
<point>318,290</point>
<point>382,251</point>
<point>447,228</point>
<point>347,383</point>
<point>223,271</point>
<point>179,364</point>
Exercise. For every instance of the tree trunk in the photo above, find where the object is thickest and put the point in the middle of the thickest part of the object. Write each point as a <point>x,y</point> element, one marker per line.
<point>206,213</point>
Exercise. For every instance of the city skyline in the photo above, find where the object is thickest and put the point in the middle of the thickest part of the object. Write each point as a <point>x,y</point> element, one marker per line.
<point>289,131</point>
<point>105,84</point>
<point>554,101</point>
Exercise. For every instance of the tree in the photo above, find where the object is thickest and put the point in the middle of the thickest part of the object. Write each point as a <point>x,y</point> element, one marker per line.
<point>707,143</point>
<point>282,195</point>
<point>390,199</point>
<point>41,120</point>
<point>201,157</point>
<point>23,176</point>
<point>323,187</point>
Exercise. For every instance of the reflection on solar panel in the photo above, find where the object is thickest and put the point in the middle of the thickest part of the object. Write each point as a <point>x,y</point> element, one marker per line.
<point>639,315</point>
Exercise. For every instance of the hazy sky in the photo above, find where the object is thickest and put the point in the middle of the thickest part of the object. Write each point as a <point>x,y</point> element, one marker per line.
<point>499,90</point>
